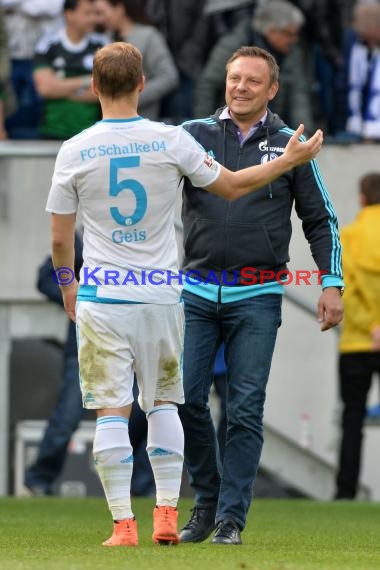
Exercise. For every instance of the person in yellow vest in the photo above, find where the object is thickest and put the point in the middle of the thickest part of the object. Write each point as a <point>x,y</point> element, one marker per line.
<point>360,339</point>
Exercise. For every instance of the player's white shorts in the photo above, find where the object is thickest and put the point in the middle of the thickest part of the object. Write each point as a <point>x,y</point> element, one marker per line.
<point>116,340</point>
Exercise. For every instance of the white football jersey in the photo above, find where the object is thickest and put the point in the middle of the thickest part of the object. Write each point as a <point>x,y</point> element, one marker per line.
<point>124,175</point>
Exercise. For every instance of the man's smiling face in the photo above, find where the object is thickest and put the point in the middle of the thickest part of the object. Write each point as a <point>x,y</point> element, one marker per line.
<point>249,88</point>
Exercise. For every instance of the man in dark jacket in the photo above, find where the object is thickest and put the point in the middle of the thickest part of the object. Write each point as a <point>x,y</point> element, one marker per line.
<point>238,254</point>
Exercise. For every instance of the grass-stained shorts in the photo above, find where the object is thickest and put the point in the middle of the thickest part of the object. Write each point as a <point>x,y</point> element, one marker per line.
<point>117,340</point>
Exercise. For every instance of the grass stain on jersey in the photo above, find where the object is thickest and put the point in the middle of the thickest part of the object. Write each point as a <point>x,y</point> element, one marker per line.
<point>170,376</point>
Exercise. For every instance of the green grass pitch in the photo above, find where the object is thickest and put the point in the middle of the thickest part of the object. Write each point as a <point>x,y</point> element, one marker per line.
<point>66,534</point>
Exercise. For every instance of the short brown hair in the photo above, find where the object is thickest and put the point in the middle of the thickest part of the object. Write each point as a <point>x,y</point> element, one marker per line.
<point>117,69</point>
<point>370,188</point>
<point>254,51</point>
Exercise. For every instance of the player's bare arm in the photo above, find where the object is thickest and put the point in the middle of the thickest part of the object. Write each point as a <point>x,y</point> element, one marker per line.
<point>234,185</point>
<point>63,255</point>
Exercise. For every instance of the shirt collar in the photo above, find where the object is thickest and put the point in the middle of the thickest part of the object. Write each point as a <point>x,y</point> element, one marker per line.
<point>225,115</point>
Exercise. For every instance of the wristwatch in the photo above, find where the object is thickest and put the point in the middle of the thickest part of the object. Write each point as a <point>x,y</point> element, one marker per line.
<point>86,82</point>
<point>341,289</point>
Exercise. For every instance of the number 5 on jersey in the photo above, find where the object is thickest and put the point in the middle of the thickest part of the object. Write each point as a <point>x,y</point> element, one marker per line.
<point>117,186</point>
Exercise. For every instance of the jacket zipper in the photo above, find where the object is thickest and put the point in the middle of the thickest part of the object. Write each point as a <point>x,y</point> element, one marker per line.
<point>241,145</point>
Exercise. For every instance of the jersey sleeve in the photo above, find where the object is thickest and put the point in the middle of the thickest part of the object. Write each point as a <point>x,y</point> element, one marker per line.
<point>194,162</point>
<point>40,61</point>
<point>63,197</point>
<point>42,57</point>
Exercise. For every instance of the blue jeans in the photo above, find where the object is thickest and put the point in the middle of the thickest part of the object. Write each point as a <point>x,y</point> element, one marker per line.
<point>249,329</point>
<point>24,122</point>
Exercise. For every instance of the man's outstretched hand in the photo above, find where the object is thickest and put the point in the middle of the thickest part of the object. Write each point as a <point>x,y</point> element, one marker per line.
<point>298,152</point>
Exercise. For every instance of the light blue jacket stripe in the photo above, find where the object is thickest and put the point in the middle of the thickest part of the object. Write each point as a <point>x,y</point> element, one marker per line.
<point>210,291</point>
<point>336,254</point>
<point>318,176</point>
<point>331,281</point>
<point>336,264</point>
<point>195,140</point>
<point>338,247</point>
<point>208,121</point>
<point>291,133</point>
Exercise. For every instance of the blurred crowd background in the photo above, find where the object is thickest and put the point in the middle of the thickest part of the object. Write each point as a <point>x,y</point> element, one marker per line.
<point>328,52</point>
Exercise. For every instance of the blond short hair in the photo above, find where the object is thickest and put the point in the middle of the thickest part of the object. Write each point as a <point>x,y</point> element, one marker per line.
<point>117,69</point>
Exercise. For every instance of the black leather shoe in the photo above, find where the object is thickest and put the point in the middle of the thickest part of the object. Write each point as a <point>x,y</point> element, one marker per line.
<point>200,525</point>
<point>227,532</point>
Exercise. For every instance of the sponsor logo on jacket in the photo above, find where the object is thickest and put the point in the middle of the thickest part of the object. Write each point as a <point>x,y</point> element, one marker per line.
<point>263,146</point>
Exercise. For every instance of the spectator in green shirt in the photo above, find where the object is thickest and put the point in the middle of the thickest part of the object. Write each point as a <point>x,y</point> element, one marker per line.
<point>62,75</point>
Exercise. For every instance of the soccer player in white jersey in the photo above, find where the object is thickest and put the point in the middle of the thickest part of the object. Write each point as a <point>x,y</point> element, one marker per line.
<point>123,173</point>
